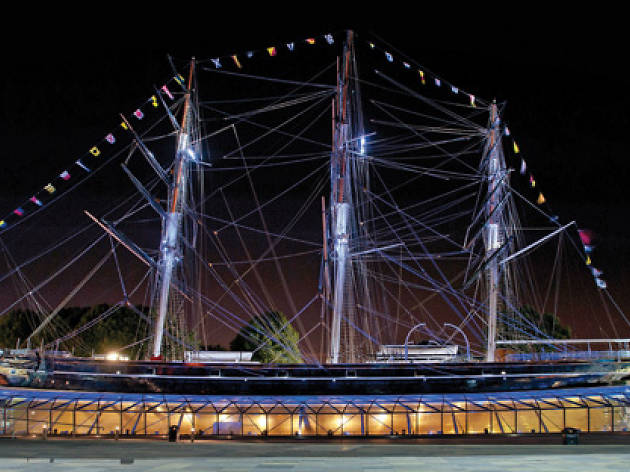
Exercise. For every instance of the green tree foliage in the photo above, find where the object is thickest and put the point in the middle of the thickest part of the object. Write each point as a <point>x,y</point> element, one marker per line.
<point>273,338</point>
<point>120,329</point>
<point>548,323</point>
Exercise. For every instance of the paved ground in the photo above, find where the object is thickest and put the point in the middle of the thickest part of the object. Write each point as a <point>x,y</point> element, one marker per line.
<point>348,456</point>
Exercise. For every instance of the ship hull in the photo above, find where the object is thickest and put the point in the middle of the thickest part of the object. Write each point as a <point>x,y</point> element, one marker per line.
<point>348,379</point>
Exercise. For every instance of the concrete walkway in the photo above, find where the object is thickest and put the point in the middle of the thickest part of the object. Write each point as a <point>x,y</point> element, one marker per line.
<point>346,456</point>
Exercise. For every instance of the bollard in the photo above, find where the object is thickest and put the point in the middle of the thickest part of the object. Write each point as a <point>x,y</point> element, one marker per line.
<point>172,434</point>
<point>570,435</point>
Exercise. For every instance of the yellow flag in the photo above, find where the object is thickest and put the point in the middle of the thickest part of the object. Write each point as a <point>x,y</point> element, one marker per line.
<point>49,188</point>
<point>541,198</point>
<point>516,149</point>
<point>588,260</point>
<point>237,62</point>
<point>95,151</point>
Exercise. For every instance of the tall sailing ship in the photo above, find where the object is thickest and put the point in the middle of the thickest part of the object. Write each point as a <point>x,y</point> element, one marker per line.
<point>375,207</point>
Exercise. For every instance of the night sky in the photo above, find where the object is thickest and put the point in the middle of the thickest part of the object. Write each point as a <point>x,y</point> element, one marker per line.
<point>563,78</point>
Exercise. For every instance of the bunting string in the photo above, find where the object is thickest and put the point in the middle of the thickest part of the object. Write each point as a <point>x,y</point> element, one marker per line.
<point>423,73</point>
<point>586,236</point>
<point>237,59</point>
<point>81,166</point>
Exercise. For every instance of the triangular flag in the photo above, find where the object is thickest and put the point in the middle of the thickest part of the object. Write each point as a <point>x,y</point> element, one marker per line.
<point>516,149</point>
<point>600,283</point>
<point>422,77</point>
<point>541,199</point>
<point>3,224</point>
<point>138,114</point>
<point>95,151</point>
<point>438,82</point>
<point>532,182</point>
<point>123,125</point>
<point>216,62</point>
<point>523,167</point>
<point>329,38</point>
<point>389,57</point>
<point>236,61</point>
<point>588,249</point>
<point>588,260</point>
<point>271,51</point>
<point>507,131</point>
<point>472,100</point>
<point>50,188</point>
<point>407,65</point>
<point>179,79</point>
<point>65,175</point>
<point>249,54</point>
<point>290,46</point>
<point>454,89</point>
<point>310,40</point>
<point>35,200</point>
<point>154,101</point>
<point>110,138</point>
<point>18,211</point>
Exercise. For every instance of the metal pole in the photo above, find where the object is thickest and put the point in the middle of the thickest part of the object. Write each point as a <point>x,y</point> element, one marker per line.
<point>407,337</point>
<point>465,338</point>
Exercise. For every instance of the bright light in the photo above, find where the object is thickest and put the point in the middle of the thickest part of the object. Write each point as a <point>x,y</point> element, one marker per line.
<point>111,356</point>
<point>261,421</point>
<point>362,146</point>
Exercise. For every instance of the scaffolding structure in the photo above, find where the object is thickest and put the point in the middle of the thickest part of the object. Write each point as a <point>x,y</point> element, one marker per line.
<point>32,412</point>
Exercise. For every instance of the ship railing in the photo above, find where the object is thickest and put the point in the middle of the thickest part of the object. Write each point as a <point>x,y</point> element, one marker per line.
<point>570,355</point>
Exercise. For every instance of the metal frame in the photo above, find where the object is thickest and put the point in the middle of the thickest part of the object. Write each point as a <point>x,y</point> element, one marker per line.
<point>285,415</point>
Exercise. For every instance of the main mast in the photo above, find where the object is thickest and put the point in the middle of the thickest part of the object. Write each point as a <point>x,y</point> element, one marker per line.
<point>495,231</point>
<point>170,247</point>
<point>347,133</point>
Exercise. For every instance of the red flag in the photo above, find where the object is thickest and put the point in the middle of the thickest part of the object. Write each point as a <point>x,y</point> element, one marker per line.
<point>586,235</point>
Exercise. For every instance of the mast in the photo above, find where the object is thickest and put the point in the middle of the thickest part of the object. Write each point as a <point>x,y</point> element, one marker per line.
<point>170,247</point>
<point>347,130</point>
<point>495,231</point>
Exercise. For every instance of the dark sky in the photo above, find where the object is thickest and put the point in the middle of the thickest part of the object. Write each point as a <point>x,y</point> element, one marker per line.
<point>563,77</point>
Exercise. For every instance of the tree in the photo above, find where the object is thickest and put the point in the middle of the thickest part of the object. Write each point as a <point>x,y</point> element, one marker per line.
<point>548,324</point>
<point>272,338</point>
<point>119,329</point>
